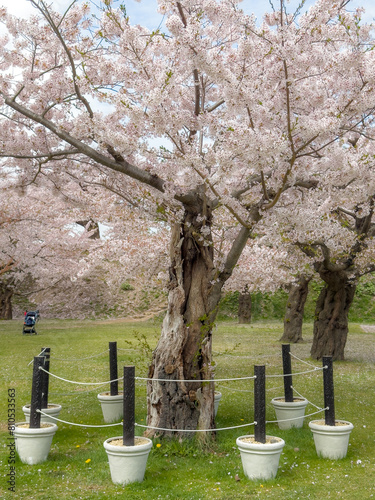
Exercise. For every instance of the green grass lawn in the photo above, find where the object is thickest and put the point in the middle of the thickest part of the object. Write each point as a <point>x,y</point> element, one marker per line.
<point>77,466</point>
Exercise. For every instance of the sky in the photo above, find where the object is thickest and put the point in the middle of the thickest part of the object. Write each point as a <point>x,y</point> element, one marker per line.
<point>145,12</point>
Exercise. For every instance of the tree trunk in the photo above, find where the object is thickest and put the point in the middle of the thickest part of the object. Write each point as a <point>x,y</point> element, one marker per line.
<point>183,353</point>
<point>293,318</point>
<point>331,315</point>
<point>5,302</point>
<point>244,307</point>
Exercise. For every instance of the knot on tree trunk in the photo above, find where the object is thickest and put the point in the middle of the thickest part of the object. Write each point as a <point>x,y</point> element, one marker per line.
<point>169,369</point>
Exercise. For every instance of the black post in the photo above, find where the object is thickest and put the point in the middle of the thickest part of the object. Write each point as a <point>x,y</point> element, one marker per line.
<point>113,372</point>
<point>260,403</point>
<point>287,370</point>
<point>45,376</point>
<point>129,406</point>
<point>36,393</point>
<point>329,397</point>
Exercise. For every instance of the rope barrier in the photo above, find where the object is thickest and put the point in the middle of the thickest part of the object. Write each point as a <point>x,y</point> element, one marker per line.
<point>78,425</point>
<point>300,395</point>
<point>80,383</point>
<point>194,430</point>
<point>295,418</point>
<point>200,381</point>
<point>37,356</point>
<point>301,360</point>
<point>298,373</point>
<point>179,381</point>
<point>275,388</point>
<point>147,426</point>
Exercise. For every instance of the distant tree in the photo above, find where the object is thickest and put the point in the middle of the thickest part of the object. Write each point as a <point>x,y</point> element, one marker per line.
<point>244,306</point>
<point>293,318</point>
<point>38,247</point>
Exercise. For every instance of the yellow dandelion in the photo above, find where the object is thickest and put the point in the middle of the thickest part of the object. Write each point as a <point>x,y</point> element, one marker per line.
<point>88,461</point>
<point>78,446</point>
<point>158,445</point>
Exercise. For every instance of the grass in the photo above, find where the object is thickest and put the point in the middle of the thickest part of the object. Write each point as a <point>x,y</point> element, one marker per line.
<point>77,466</point>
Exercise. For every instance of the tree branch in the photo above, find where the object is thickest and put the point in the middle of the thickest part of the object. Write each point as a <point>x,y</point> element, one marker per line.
<point>49,156</point>
<point>214,106</point>
<point>43,9</point>
<point>120,165</point>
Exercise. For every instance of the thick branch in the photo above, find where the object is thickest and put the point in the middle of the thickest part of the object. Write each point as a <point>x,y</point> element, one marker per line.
<point>49,156</point>
<point>264,186</point>
<point>236,250</point>
<point>214,106</point>
<point>197,93</point>
<point>231,261</point>
<point>119,166</point>
<point>4,268</point>
<point>347,212</point>
<point>309,249</point>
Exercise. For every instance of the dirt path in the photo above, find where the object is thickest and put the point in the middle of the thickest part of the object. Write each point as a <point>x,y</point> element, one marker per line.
<point>368,328</point>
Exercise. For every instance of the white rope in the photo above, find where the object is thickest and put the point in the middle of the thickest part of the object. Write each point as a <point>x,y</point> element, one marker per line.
<point>193,430</point>
<point>198,381</point>
<point>301,360</point>
<point>300,395</point>
<point>79,359</point>
<point>298,373</point>
<point>78,425</point>
<point>274,388</point>
<point>80,383</point>
<point>295,418</point>
<point>37,356</point>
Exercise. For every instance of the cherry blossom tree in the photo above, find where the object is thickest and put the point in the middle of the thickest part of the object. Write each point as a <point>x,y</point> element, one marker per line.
<point>338,242</point>
<point>39,246</point>
<point>269,264</point>
<point>216,119</point>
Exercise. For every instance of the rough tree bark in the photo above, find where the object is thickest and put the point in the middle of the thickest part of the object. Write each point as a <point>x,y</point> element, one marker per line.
<point>331,314</point>
<point>183,353</point>
<point>90,226</point>
<point>184,349</point>
<point>6,295</point>
<point>244,307</point>
<point>293,318</point>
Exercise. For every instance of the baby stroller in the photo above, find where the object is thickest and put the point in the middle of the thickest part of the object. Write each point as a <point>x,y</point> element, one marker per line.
<point>31,317</point>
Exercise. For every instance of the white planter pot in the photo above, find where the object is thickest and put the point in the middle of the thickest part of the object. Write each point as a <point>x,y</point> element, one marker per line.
<point>112,407</point>
<point>53,410</point>
<point>260,461</point>
<point>217,397</point>
<point>33,445</point>
<point>331,441</point>
<point>128,463</point>
<point>286,411</point>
